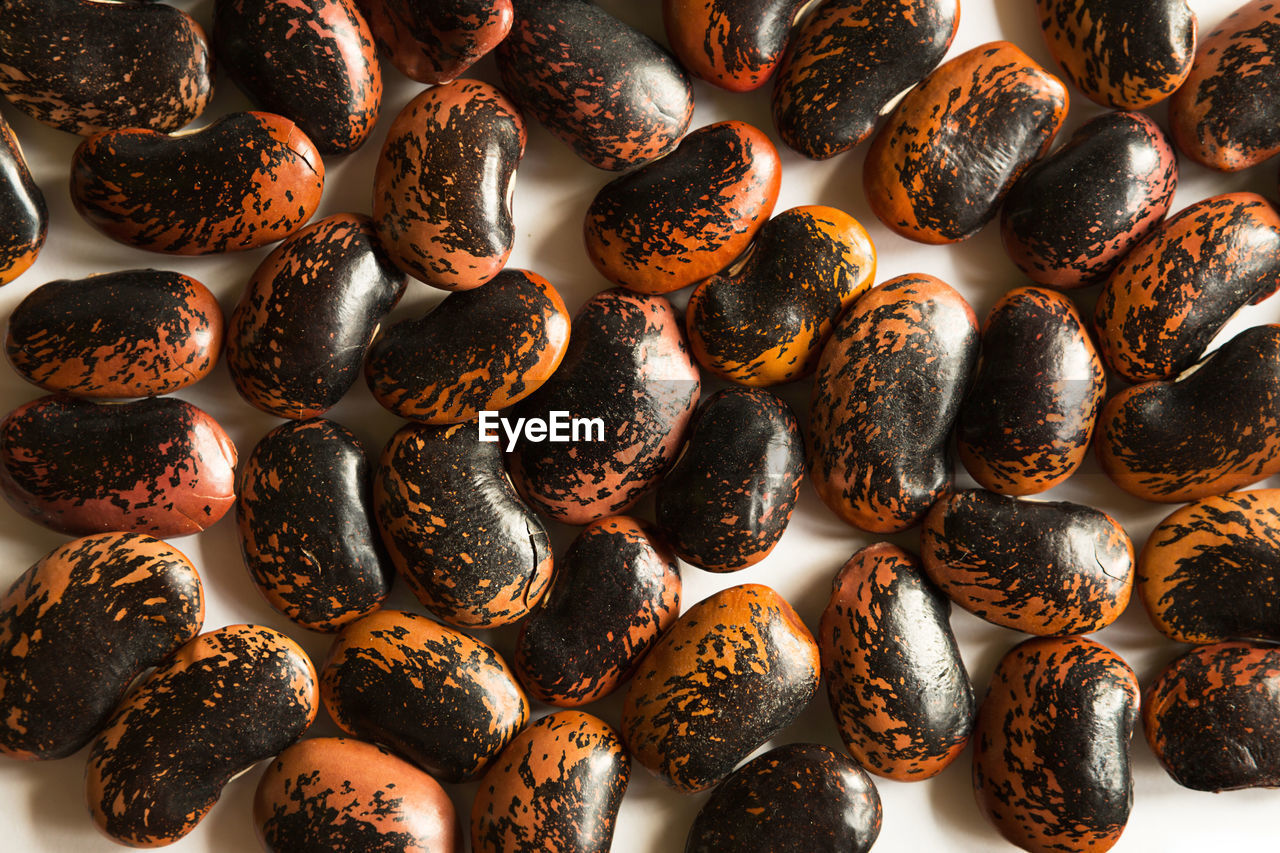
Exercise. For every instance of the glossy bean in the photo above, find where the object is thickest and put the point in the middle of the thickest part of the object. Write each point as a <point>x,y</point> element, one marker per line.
<point>627,366</point>
<point>557,786</point>
<point>437,42</point>
<point>313,62</point>
<point>941,165</point>
<point>136,333</point>
<point>729,498</point>
<point>1210,717</point>
<point>1128,54</point>
<point>1212,429</point>
<point>1026,423</point>
<point>767,322</point>
<point>84,66</point>
<point>1224,115</point>
<point>735,44</point>
<point>246,180</point>
<point>687,216</point>
<point>736,669</point>
<point>798,798</point>
<point>468,547</point>
<point>888,389</point>
<point>1040,567</point>
<point>604,89</point>
<point>848,61</point>
<point>898,689</point>
<point>339,794</point>
<point>1074,215</point>
<point>159,466</point>
<point>476,351</point>
<point>1051,763</point>
<point>24,216</point>
<point>304,512</point>
<point>297,338</point>
<point>433,695</point>
<point>1208,570</point>
<point>220,704</point>
<point>444,184</point>
<point>625,576</point>
<point>138,598</point>
<point>1175,290</point>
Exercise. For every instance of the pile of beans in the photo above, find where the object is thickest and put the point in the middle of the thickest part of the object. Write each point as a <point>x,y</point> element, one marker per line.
<point>983,269</point>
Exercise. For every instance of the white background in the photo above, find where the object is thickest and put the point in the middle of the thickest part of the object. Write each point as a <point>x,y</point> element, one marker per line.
<point>42,807</point>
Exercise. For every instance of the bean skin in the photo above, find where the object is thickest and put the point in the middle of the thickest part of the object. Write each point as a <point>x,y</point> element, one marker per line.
<point>557,786</point>
<point>135,333</point>
<point>137,597</point>
<point>1051,764</point>
<point>1026,424</point>
<point>848,60</point>
<point>898,689</point>
<point>888,389</point>
<point>1128,54</point>
<point>24,216</point>
<point>85,67</point>
<point>735,44</point>
<point>1210,717</point>
<point>1211,430</point>
<point>247,180</point>
<point>1208,570</point>
<point>941,165</point>
<point>437,42</point>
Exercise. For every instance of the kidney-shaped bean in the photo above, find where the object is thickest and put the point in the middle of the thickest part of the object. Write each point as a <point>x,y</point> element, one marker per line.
<point>766,323</point>
<point>220,704</point>
<point>84,66</point>
<point>304,512</point>
<point>624,575</point>
<point>1208,570</point>
<point>1051,748</point>
<point>339,794</point>
<point>1214,428</point>
<point>446,702</point>
<point>138,598</point>
<point>887,391</point>
<point>606,90</point>
<point>848,60</point>
<point>1210,717</point>
<point>158,466</point>
<point>1041,567</point>
<point>674,222</point>
<point>735,44</point>
<point>628,369</point>
<point>246,180</point>
<point>1172,294</point>
<point>24,216</point>
<point>736,669</point>
<point>297,338</point>
<point>899,692</point>
<point>557,786</point>
<point>135,333</point>
<point>950,151</point>
<point>1074,215</point>
<point>437,42</point>
<point>1121,53</point>
<point>443,187</point>
<point>802,796</point>
<point>311,61</point>
<point>469,548</point>
<point>478,350</point>
<point>1225,115</point>
<point>1026,423</point>
<point>729,498</point>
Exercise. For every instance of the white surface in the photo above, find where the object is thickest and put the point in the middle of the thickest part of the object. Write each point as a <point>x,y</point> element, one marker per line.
<point>42,806</point>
